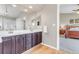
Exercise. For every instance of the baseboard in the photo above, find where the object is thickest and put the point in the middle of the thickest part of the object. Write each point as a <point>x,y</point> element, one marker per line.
<point>49,46</point>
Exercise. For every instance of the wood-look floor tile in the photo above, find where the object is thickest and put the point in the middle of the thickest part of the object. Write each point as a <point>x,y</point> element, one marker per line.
<point>42,49</point>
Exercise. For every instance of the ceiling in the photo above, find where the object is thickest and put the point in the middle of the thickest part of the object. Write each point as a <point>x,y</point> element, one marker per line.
<point>67,8</point>
<point>19,9</point>
<point>35,7</point>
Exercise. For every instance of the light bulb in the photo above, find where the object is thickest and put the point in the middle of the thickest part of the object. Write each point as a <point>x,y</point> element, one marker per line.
<point>14,5</point>
<point>30,7</point>
<point>77,12</point>
<point>25,10</point>
<point>24,18</point>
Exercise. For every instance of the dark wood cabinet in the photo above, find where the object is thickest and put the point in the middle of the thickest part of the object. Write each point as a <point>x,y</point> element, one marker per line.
<point>34,39</point>
<point>39,37</point>
<point>7,45</point>
<point>13,44</point>
<point>24,42</point>
<point>0,48</point>
<point>19,43</point>
<point>28,41</point>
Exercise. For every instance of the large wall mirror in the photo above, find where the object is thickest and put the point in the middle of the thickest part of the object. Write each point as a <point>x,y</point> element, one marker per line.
<point>14,17</point>
<point>36,21</point>
<point>7,23</point>
<point>11,18</point>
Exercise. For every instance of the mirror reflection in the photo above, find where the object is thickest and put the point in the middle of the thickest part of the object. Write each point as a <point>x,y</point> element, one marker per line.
<point>16,17</point>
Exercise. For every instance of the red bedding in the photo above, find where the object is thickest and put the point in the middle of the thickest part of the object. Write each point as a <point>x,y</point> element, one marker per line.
<point>72,34</point>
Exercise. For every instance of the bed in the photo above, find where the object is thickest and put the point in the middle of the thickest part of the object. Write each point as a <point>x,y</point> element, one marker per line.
<point>72,32</point>
<point>71,42</point>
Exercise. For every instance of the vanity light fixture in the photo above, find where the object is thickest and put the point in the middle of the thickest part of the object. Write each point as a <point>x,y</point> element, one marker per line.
<point>13,5</point>
<point>33,24</point>
<point>77,12</point>
<point>25,10</point>
<point>24,18</point>
<point>6,13</point>
<point>30,7</point>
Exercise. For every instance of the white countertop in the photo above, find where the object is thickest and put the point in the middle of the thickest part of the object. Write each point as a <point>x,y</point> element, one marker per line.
<point>17,32</point>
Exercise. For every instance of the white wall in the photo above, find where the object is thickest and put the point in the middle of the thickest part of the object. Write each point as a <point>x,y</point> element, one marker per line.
<point>64,18</point>
<point>48,18</point>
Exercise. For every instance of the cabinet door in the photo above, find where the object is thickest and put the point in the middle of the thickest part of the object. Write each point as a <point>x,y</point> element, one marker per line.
<point>28,41</point>
<point>0,48</point>
<point>13,44</point>
<point>24,42</point>
<point>19,44</point>
<point>7,47</point>
<point>39,37</point>
<point>22,38</point>
<point>34,39</point>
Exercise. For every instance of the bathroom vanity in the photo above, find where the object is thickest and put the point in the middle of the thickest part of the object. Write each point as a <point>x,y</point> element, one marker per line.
<point>19,41</point>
